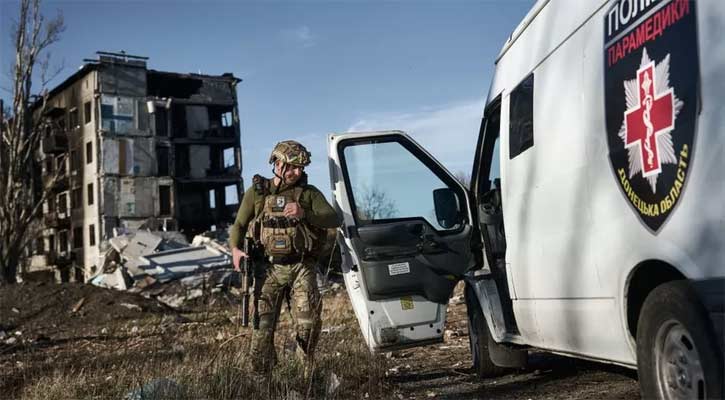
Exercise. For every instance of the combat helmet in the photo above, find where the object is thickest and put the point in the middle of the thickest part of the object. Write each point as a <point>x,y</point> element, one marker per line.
<point>291,152</point>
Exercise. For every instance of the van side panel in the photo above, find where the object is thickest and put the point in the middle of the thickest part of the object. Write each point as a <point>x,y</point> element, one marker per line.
<point>573,239</point>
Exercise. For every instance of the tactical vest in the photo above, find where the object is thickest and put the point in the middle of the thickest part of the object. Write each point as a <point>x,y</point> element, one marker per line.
<point>284,240</point>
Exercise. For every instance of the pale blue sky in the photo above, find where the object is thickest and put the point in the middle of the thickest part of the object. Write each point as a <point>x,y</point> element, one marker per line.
<point>310,68</point>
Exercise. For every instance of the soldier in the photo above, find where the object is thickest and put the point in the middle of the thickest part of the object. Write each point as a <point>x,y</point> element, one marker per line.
<point>286,218</point>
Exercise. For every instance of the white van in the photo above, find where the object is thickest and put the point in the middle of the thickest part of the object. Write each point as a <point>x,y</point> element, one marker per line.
<point>601,153</point>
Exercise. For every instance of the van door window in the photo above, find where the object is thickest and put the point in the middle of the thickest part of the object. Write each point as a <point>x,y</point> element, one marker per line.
<point>389,182</point>
<point>521,117</point>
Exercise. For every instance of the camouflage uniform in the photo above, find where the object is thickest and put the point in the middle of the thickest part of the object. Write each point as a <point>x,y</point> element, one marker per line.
<point>280,277</point>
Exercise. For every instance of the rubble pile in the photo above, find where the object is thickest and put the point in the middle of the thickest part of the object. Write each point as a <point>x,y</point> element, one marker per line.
<point>165,266</point>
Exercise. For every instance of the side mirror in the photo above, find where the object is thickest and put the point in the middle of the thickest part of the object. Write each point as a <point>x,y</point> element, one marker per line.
<point>446,207</point>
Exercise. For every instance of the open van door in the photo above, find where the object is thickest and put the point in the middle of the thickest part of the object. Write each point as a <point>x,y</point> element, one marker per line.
<point>405,238</point>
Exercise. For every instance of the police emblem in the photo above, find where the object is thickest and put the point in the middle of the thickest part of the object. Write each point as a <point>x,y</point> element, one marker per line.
<point>651,101</point>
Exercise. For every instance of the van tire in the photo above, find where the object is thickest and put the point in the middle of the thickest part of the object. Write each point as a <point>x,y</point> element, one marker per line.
<point>484,350</point>
<point>677,355</point>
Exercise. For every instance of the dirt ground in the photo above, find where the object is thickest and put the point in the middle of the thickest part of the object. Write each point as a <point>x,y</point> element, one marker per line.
<point>444,372</point>
<point>75,341</point>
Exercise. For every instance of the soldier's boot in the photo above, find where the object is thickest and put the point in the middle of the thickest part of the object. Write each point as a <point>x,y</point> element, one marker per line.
<point>306,339</point>
<point>262,354</point>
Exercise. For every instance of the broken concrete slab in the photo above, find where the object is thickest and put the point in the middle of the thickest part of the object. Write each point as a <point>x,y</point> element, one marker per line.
<point>224,278</point>
<point>141,244</point>
<point>119,242</point>
<point>174,264</point>
<point>144,282</point>
<point>176,300</point>
<point>131,306</point>
<point>118,280</point>
<point>202,240</point>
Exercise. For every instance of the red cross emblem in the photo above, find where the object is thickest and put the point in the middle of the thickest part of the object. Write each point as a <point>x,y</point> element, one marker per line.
<point>653,115</point>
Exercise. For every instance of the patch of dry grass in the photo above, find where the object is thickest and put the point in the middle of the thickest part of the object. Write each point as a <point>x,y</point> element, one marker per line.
<point>204,358</point>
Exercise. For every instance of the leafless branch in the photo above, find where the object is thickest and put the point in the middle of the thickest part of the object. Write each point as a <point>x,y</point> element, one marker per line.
<point>23,126</point>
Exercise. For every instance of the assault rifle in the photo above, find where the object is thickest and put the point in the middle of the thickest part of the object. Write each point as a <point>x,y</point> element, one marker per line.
<point>247,272</point>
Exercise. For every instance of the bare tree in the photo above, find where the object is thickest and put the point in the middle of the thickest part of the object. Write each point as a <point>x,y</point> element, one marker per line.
<point>374,204</point>
<point>22,129</point>
<point>464,178</point>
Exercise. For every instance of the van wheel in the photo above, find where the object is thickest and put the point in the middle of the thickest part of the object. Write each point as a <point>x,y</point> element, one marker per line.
<point>483,347</point>
<point>677,356</point>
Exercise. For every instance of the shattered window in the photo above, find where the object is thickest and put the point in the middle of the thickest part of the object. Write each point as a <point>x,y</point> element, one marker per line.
<point>89,152</point>
<point>87,112</point>
<point>164,200</point>
<point>62,203</point>
<point>197,121</point>
<point>51,204</point>
<point>227,119</point>
<point>76,198</point>
<point>63,241</point>
<point>230,195</point>
<point>75,162</point>
<point>73,118</point>
<point>89,189</point>
<point>91,235</point>
<point>77,237</point>
<point>162,160</point>
<point>229,157</point>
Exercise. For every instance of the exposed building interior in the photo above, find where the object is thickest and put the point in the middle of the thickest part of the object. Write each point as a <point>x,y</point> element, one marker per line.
<point>135,148</point>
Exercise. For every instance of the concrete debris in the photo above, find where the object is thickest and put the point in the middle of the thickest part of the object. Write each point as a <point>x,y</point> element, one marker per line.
<point>15,310</point>
<point>332,329</point>
<point>453,333</point>
<point>173,301</point>
<point>131,306</point>
<point>333,384</point>
<point>168,265</point>
<point>78,305</point>
<point>117,279</point>
<point>11,341</point>
<point>3,335</point>
<point>145,281</point>
<point>201,240</point>
<point>147,262</point>
<point>162,388</point>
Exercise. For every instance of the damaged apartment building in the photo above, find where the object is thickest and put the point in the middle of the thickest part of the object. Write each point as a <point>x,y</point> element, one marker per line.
<point>136,149</point>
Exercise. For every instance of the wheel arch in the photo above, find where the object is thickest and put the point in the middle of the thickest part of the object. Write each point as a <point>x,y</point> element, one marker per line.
<point>644,278</point>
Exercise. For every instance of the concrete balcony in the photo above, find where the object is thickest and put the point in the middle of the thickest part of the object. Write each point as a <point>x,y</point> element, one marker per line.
<point>57,220</point>
<point>54,143</point>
